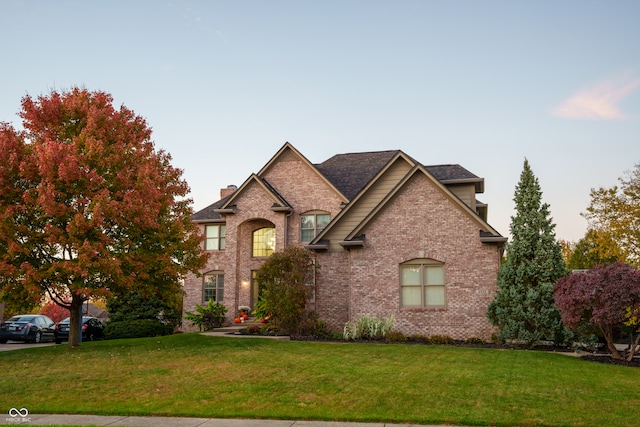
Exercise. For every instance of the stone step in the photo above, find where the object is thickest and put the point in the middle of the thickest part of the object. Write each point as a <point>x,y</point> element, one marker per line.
<point>234,327</point>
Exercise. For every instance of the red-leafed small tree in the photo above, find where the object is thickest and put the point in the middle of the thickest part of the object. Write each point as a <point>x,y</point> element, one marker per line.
<point>606,297</point>
<point>54,311</point>
<point>88,207</point>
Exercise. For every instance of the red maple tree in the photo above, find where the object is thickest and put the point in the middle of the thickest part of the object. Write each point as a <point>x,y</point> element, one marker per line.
<point>54,311</point>
<point>88,206</point>
<point>607,297</point>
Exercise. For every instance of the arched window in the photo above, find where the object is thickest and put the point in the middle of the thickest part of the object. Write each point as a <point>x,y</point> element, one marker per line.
<point>422,284</point>
<point>264,242</point>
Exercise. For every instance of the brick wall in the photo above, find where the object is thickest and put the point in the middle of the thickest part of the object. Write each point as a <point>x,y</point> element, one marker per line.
<point>421,222</point>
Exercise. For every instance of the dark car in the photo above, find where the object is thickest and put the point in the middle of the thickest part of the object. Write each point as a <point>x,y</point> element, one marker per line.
<point>27,328</point>
<point>92,329</point>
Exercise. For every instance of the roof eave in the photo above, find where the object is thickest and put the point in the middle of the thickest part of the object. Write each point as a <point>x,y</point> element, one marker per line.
<point>209,221</point>
<point>493,239</point>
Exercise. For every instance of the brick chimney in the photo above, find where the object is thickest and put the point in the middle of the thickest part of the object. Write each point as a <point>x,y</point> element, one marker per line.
<point>224,192</point>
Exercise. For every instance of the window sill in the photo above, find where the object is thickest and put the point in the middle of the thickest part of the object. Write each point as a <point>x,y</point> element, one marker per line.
<point>422,309</point>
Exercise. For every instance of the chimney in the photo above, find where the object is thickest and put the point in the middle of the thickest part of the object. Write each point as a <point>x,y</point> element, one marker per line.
<point>224,192</point>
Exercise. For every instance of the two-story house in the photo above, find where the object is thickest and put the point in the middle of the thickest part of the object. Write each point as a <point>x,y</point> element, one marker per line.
<point>391,237</point>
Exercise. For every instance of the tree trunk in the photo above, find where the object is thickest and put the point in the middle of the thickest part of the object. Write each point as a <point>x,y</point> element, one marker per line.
<point>608,336</point>
<point>75,320</point>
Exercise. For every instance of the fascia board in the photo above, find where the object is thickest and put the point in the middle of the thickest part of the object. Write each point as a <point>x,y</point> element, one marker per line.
<point>420,169</point>
<point>288,146</point>
<point>257,180</point>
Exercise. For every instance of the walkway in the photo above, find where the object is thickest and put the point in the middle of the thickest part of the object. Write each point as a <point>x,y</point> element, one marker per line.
<point>95,420</point>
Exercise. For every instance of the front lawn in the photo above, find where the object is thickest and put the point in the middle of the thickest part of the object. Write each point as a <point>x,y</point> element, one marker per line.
<point>200,376</point>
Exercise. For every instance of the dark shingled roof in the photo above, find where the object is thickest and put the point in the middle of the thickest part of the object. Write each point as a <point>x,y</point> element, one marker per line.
<point>350,173</point>
<point>208,213</point>
<point>449,172</point>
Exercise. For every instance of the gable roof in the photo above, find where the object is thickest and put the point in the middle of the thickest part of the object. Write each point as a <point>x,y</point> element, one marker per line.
<point>486,230</point>
<point>348,174</point>
<point>278,200</point>
<point>288,150</point>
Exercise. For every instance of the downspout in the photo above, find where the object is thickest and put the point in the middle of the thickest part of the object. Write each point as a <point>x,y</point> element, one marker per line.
<point>349,284</point>
<point>237,263</point>
<point>286,228</point>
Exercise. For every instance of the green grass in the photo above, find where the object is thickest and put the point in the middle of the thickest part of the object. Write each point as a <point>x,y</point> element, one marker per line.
<point>200,376</point>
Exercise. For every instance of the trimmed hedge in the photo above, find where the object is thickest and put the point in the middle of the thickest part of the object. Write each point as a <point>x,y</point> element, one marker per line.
<point>138,328</point>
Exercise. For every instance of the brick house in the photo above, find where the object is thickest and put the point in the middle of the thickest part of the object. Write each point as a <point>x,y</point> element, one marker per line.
<point>392,237</point>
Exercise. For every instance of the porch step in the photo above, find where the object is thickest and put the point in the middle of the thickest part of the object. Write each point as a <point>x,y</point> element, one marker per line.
<point>235,327</point>
<point>232,329</point>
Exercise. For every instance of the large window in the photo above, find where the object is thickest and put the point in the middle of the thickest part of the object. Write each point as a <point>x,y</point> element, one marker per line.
<point>215,237</point>
<point>422,284</point>
<point>312,224</point>
<point>213,287</point>
<point>264,242</point>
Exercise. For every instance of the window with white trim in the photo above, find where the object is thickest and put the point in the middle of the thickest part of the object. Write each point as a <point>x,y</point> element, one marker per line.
<point>215,237</point>
<point>312,224</point>
<point>422,284</point>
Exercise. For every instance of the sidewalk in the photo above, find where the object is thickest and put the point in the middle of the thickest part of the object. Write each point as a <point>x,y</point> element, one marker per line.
<point>95,420</point>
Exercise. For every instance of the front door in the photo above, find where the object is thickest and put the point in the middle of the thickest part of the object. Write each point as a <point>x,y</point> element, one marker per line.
<point>255,290</point>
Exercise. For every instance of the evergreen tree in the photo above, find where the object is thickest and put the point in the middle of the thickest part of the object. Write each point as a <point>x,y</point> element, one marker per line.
<point>523,308</point>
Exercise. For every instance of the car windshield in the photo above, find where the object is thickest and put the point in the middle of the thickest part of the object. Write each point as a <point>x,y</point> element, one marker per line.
<point>21,319</point>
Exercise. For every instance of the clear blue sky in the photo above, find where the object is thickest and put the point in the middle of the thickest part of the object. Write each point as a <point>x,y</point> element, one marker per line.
<point>224,84</point>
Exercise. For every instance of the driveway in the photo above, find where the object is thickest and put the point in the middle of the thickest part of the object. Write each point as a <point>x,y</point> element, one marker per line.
<point>17,345</point>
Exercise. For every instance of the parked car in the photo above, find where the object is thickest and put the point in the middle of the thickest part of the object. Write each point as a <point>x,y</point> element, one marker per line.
<point>92,329</point>
<point>28,328</point>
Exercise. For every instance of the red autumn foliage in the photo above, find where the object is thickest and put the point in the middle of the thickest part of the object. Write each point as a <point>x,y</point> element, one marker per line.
<point>88,206</point>
<point>606,297</point>
<point>54,311</point>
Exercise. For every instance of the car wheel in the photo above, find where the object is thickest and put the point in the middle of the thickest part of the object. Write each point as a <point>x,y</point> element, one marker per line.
<point>38,337</point>
<point>58,341</point>
<point>92,338</point>
<point>3,341</point>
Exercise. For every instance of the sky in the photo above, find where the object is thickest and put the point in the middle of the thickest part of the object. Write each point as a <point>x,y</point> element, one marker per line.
<point>483,84</point>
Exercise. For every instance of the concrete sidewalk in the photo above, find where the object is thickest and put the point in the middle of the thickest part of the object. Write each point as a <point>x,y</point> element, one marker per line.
<point>96,420</point>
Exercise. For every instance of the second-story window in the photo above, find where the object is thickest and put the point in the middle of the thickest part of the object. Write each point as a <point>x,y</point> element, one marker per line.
<point>312,224</point>
<point>215,237</point>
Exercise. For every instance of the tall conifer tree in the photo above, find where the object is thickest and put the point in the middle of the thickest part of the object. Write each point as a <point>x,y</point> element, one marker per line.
<point>523,308</point>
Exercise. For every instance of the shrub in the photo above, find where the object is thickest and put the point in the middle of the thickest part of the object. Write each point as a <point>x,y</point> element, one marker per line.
<point>474,340</point>
<point>283,289</point>
<point>133,305</point>
<point>209,317</point>
<point>441,339</point>
<point>138,328</point>
<point>252,330</point>
<point>395,337</point>
<point>421,338</point>
<point>312,326</point>
<point>368,328</point>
